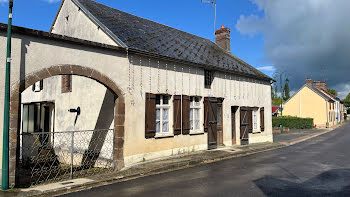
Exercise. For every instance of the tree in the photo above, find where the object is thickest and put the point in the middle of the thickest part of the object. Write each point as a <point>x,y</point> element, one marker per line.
<point>286,92</point>
<point>334,92</point>
<point>346,101</point>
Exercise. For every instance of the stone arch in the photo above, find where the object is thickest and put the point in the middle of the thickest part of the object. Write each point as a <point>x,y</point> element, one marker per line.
<point>15,109</point>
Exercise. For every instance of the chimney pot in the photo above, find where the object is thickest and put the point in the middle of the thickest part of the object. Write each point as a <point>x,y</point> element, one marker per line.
<point>222,38</point>
<point>309,82</point>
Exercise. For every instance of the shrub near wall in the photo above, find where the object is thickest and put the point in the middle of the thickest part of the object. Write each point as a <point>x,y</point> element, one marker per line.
<point>293,122</point>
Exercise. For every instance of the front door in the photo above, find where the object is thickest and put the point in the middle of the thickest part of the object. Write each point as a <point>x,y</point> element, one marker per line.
<point>220,132</point>
<point>233,123</point>
<point>244,119</point>
<point>211,121</point>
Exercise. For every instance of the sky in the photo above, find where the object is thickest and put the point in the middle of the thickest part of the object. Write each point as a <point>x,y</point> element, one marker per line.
<point>301,38</point>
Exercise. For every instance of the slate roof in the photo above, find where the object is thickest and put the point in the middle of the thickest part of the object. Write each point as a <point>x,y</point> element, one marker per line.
<point>142,34</point>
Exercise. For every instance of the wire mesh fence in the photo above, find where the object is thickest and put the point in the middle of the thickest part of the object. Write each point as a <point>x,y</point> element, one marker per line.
<point>57,156</point>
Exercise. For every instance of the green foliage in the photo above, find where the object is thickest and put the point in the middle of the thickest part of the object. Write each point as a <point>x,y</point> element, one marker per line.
<point>334,92</point>
<point>346,101</point>
<point>276,101</point>
<point>348,112</point>
<point>293,122</point>
<point>286,92</point>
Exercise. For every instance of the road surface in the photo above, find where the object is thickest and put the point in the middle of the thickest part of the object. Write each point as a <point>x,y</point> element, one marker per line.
<point>317,167</point>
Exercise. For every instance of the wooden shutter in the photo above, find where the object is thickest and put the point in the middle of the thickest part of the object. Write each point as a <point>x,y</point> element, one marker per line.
<point>177,115</point>
<point>41,84</point>
<point>205,124</point>
<point>150,116</point>
<point>262,119</point>
<point>186,126</point>
<point>250,119</point>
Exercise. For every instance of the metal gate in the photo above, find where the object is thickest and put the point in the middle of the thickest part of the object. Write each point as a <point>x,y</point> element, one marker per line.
<point>47,157</point>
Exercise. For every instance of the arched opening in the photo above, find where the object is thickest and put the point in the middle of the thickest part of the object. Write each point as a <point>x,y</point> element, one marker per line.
<point>43,125</point>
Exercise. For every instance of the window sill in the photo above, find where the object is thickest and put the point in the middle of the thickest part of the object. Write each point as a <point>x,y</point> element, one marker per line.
<point>164,135</point>
<point>196,132</point>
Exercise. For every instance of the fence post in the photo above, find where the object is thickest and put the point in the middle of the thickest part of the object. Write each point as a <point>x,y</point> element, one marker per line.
<point>71,156</point>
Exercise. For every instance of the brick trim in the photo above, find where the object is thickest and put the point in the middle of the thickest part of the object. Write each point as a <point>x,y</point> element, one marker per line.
<point>15,111</point>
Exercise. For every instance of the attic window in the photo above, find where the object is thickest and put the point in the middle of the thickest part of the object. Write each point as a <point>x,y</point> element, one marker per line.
<point>208,78</point>
<point>67,18</point>
<point>66,83</point>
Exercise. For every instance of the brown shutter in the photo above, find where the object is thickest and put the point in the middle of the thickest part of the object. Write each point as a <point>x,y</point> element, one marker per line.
<point>262,119</point>
<point>250,119</point>
<point>205,124</point>
<point>150,116</point>
<point>186,126</point>
<point>177,115</point>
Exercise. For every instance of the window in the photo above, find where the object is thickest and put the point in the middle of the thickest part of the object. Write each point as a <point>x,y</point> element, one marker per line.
<point>31,118</point>
<point>66,83</point>
<point>162,113</point>
<point>195,113</point>
<point>208,78</point>
<point>38,86</point>
<point>255,120</point>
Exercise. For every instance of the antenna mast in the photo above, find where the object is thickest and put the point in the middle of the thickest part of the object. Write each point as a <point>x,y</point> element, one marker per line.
<point>213,4</point>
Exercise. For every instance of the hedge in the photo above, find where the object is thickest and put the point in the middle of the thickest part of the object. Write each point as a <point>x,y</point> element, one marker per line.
<point>293,122</point>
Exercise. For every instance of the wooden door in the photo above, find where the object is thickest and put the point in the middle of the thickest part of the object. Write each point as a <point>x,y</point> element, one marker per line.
<point>233,123</point>
<point>244,129</point>
<point>220,132</point>
<point>212,123</point>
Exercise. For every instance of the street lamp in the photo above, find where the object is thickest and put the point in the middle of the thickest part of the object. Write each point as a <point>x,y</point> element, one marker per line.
<point>281,89</point>
<point>5,145</point>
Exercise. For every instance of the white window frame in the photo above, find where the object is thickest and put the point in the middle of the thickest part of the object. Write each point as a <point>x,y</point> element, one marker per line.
<point>193,108</point>
<point>161,107</point>
<point>256,120</point>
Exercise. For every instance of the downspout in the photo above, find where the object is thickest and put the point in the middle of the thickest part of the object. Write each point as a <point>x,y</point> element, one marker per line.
<point>5,145</point>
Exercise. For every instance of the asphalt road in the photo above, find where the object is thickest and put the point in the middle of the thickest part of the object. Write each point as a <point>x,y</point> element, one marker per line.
<point>317,167</point>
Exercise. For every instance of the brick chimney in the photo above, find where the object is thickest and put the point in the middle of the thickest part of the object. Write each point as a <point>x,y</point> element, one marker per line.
<point>222,38</point>
<point>309,82</point>
<point>320,85</point>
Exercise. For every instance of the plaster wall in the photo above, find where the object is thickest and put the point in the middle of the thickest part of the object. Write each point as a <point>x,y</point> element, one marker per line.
<point>149,75</point>
<point>136,75</point>
<point>307,104</point>
<point>71,21</point>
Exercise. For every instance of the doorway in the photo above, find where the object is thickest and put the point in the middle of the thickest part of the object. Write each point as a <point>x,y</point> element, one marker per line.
<point>233,123</point>
<point>244,130</point>
<point>213,121</point>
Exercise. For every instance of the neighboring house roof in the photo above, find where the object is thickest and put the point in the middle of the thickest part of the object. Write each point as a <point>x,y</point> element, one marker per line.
<point>317,91</point>
<point>274,109</point>
<point>138,33</point>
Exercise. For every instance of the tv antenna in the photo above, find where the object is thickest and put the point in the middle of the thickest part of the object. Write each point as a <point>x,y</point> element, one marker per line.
<point>213,4</point>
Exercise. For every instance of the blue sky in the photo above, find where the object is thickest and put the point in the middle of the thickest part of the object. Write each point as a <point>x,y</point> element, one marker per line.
<point>188,15</point>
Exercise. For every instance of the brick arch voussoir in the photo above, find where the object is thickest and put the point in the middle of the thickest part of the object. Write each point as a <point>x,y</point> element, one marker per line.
<point>15,104</point>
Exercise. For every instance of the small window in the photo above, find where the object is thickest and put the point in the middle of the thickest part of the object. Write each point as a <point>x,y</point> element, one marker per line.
<point>208,78</point>
<point>195,108</point>
<point>31,118</point>
<point>255,120</point>
<point>162,113</point>
<point>66,83</point>
<point>38,86</point>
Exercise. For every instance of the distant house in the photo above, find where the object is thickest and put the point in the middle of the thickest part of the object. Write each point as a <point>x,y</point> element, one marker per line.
<point>313,100</point>
<point>275,110</point>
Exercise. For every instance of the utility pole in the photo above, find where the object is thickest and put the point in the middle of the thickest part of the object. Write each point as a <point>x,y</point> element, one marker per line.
<point>281,103</point>
<point>213,4</point>
<point>5,148</point>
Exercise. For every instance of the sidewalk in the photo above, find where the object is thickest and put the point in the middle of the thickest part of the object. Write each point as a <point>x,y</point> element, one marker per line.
<point>168,164</point>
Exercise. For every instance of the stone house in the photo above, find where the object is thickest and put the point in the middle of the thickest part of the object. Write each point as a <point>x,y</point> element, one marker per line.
<point>172,92</point>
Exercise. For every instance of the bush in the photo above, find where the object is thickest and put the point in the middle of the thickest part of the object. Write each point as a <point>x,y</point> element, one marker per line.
<point>293,122</point>
<point>348,111</point>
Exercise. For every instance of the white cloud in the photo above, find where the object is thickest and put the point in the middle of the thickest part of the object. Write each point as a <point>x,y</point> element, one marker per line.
<point>304,38</point>
<point>267,68</point>
<point>52,1</point>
